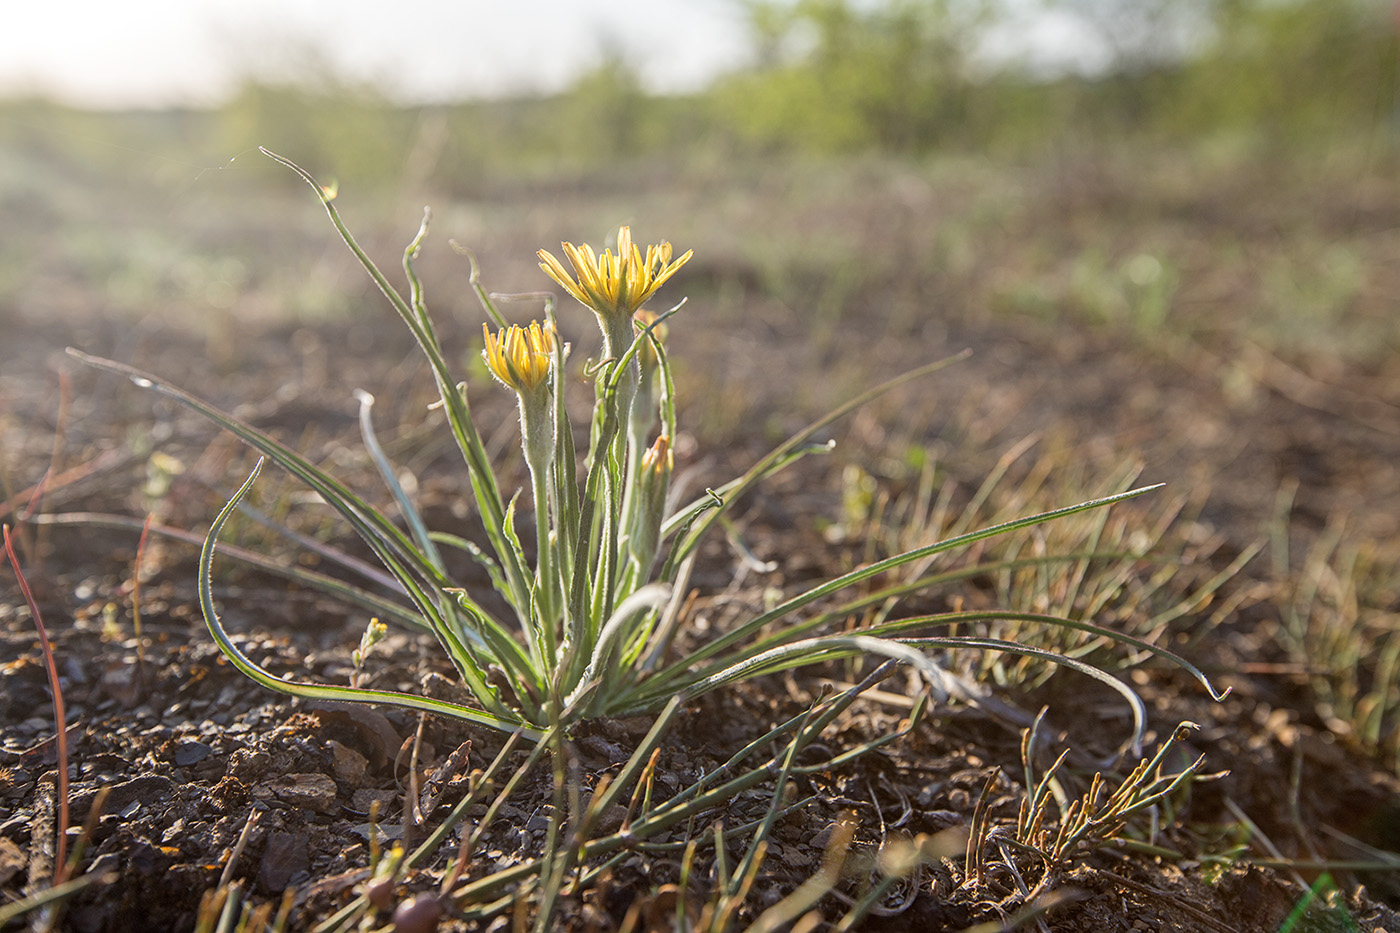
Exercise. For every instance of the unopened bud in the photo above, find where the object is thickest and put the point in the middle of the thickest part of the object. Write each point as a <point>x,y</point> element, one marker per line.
<point>653,483</point>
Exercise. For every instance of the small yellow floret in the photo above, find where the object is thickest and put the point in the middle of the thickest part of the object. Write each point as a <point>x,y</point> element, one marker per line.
<point>614,285</point>
<point>520,356</point>
<point>659,458</point>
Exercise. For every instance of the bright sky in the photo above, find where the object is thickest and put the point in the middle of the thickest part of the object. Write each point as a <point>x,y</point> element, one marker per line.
<point>119,53</point>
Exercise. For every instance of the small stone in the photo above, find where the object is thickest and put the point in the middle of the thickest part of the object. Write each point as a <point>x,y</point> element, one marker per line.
<point>189,753</point>
<point>173,832</point>
<point>121,681</point>
<point>420,915</point>
<point>33,725</point>
<point>348,765</point>
<point>152,790</point>
<point>308,791</point>
<point>538,823</point>
<point>364,798</point>
<point>797,857</point>
<point>822,838</point>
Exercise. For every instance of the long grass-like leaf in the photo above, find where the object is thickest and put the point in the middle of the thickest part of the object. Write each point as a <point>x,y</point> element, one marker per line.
<point>500,719</point>
<point>483,480</point>
<point>565,467</point>
<point>666,678</point>
<point>474,279</point>
<point>668,383</point>
<point>415,285</point>
<point>373,602</point>
<point>648,598</point>
<point>901,626</point>
<point>836,647</point>
<point>592,526</point>
<point>931,580</point>
<point>386,471</point>
<point>420,580</point>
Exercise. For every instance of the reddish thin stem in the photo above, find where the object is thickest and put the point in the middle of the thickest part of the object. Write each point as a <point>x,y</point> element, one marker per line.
<point>60,717</point>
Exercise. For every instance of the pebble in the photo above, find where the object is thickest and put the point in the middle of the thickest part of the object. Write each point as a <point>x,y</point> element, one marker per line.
<point>308,791</point>
<point>189,753</point>
<point>348,765</point>
<point>362,799</point>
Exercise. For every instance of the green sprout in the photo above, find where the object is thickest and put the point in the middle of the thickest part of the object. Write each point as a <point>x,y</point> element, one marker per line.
<point>593,613</point>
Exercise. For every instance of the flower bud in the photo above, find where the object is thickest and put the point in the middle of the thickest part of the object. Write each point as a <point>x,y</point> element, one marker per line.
<point>653,483</point>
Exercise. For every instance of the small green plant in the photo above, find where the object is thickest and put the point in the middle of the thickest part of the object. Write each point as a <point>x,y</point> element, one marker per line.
<point>594,599</point>
<point>1130,571</point>
<point>1338,625</point>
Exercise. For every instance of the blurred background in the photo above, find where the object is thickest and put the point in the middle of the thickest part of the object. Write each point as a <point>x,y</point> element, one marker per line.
<point>813,148</point>
<point>869,99</point>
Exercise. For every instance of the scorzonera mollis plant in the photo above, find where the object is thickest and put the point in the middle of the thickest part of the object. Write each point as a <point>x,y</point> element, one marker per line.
<point>594,611</point>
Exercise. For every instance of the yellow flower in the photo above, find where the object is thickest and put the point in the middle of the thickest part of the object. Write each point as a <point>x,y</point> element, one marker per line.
<point>614,286</point>
<point>519,356</point>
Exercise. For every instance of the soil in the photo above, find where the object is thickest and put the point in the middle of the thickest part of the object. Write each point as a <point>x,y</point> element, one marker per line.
<point>191,754</point>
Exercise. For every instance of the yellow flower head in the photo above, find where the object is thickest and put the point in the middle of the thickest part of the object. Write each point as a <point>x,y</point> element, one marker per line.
<point>614,286</point>
<point>519,356</point>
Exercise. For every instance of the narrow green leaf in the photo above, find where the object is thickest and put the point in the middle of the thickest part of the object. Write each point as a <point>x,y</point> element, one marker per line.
<point>454,400</point>
<point>747,630</point>
<point>419,578</point>
<point>386,471</point>
<point>314,690</point>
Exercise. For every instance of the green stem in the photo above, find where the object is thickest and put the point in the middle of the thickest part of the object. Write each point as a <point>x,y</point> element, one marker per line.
<point>617,340</point>
<point>640,421</point>
<point>537,439</point>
